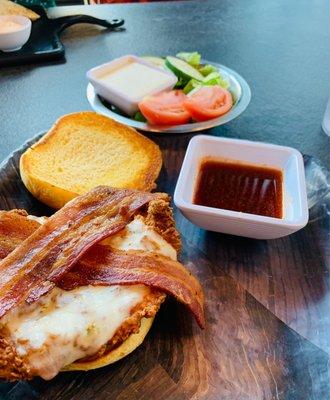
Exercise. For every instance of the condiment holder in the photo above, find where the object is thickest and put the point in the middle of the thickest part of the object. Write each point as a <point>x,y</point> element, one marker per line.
<point>289,160</point>
<point>149,80</point>
<point>15,31</point>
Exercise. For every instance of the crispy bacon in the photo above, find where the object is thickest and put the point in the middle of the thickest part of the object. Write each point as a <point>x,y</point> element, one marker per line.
<point>29,271</point>
<point>100,265</point>
<point>14,228</point>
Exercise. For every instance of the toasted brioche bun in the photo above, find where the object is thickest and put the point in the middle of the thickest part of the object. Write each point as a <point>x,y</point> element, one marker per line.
<point>10,8</point>
<point>129,345</point>
<point>84,150</point>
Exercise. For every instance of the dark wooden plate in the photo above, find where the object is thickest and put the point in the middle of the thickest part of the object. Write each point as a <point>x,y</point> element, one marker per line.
<point>267,308</point>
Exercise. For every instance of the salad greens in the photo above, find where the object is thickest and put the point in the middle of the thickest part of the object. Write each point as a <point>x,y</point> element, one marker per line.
<point>191,73</point>
<point>194,58</point>
<point>211,74</point>
<point>192,85</point>
<point>214,78</point>
<point>138,116</point>
<point>207,69</point>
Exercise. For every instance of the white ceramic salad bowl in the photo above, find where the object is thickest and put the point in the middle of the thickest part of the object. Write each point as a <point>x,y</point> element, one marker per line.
<point>237,86</point>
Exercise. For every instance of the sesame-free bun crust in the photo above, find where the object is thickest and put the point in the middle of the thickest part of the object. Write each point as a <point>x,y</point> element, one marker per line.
<point>129,345</point>
<point>84,150</point>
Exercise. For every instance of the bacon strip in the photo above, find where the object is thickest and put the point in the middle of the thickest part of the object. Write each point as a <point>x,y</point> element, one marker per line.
<point>105,266</point>
<point>14,228</point>
<point>30,270</point>
<point>102,265</point>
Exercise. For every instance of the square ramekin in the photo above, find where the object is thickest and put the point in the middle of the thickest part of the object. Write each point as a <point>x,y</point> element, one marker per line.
<point>128,104</point>
<point>295,209</point>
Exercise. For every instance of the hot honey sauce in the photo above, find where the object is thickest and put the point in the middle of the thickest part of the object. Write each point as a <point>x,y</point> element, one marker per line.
<point>240,187</point>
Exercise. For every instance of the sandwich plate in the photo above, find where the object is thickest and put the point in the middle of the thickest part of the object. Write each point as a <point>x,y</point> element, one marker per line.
<point>237,85</point>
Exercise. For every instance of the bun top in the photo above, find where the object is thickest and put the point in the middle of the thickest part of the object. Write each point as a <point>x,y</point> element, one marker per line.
<point>85,150</point>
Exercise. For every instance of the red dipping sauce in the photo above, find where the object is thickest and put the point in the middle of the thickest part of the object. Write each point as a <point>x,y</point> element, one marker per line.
<point>240,187</point>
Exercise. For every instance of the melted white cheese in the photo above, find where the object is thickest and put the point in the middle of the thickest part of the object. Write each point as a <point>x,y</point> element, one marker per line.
<point>137,236</point>
<point>64,326</point>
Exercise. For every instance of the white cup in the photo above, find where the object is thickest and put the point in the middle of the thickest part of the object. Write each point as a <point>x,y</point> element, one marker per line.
<point>13,41</point>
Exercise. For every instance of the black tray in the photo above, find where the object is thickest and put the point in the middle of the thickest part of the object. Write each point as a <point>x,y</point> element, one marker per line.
<point>44,43</point>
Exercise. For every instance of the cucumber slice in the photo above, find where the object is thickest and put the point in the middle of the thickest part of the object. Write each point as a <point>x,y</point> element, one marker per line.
<point>182,69</point>
<point>160,62</point>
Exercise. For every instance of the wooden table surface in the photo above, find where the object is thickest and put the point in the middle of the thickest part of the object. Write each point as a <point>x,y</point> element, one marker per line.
<point>268,302</point>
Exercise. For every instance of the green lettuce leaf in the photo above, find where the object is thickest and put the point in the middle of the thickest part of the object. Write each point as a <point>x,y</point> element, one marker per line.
<point>207,69</point>
<point>193,58</point>
<point>138,116</point>
<point>192,85</point>
<point>214,78</point>
<point>180,83</point>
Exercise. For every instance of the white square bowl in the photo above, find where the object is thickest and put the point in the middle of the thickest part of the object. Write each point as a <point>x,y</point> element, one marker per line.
<point>128,104</point>
<point>295,210</point>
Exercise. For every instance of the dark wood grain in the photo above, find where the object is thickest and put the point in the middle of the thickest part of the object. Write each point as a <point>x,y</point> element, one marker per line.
<point>267,302</point>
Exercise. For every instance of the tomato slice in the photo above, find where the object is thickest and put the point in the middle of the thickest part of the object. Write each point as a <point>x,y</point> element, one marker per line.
<point>165,108</point>
<point>208,102</point>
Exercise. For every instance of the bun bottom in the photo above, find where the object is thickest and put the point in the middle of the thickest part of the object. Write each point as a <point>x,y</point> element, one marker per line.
<point>129,345</point>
